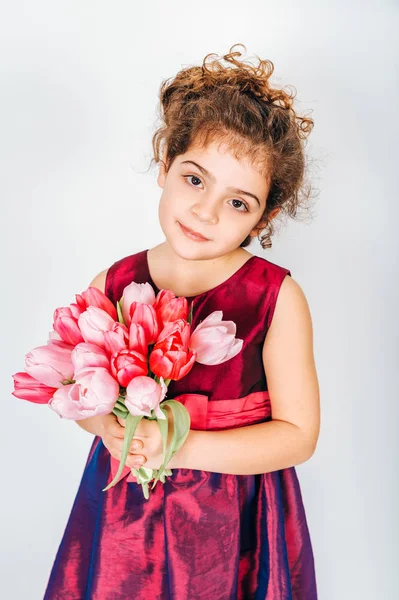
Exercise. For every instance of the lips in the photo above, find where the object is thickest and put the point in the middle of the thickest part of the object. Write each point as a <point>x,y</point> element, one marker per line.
<point>192,232</point>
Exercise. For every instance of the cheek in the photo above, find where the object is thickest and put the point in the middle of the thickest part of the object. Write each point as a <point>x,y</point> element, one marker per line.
<point>168,209</point>
<point>164,208</point>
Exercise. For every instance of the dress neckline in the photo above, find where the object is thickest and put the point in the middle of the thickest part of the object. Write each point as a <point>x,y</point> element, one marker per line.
<point>216,287</point>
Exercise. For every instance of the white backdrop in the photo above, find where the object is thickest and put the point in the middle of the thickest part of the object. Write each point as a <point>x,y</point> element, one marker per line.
<point>79,84</point>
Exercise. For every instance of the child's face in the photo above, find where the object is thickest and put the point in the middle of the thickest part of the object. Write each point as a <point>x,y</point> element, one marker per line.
<point>203,203</point>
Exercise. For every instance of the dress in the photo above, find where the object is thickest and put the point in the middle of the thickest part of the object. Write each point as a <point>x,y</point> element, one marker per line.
<point>200,535</point>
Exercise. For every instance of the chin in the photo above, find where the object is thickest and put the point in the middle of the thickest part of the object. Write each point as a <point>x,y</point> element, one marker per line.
<point>184,247</point>
<point>187,251</point>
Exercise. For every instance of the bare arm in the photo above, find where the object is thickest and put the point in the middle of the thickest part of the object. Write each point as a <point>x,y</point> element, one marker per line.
<point>290,438</point>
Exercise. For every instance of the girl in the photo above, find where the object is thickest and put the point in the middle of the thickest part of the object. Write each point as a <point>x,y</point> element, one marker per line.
<point>229,523</point>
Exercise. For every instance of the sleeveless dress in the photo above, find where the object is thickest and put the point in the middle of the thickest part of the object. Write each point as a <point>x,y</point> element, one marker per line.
<point>201,535</point>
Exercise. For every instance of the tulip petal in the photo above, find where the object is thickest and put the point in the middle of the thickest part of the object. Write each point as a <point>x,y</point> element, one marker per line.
<point>28,388</point>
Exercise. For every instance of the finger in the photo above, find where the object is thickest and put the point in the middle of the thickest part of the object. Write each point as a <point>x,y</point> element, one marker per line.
<point>115,449</point>
<point>117,446</point>
<point>136,446</point>
<point>136,461</point>
<point>145,428</point>
<point>115,429</point>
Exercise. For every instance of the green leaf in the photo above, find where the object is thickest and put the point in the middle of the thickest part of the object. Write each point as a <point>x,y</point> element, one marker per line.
<point>119,311</point>
<point>67,381</point>
<point>165,473</point>
<point>130,427</point>
<point>145,490</point>
<point>143,476</point>
<point>190,314</point>
<point>122,413</point>
<point>164,428</point>
<point>181,428</point>
<point>120,405</point>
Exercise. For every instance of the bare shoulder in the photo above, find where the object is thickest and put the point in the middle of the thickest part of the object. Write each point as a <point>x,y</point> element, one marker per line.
<point>289,363</point>
<point>99,280</point>
<point>292,307</point>
<point>291,322</point>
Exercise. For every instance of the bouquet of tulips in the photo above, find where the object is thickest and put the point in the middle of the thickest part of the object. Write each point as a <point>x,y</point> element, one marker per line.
<point>102,359</point>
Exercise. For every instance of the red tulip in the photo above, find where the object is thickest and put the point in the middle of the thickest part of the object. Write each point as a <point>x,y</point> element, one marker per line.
<point>28,388</point>
<point>137,338</point>
<point>65,323</point>
<point>169,308</point>
<point>128,364</point>
<point>145,315</point>
<point>171,357</point>
<point>95,297</point>
<point>116,339</point>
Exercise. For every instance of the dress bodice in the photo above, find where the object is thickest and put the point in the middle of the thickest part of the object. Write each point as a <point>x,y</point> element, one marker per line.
<point>247,297</point>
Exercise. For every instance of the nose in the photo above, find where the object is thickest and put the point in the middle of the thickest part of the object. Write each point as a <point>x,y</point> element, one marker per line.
<point>206,210</point>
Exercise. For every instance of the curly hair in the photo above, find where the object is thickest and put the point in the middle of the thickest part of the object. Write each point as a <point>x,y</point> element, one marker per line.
<point>238,105</point>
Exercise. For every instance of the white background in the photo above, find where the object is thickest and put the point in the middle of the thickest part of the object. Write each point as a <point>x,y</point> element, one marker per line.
<point>79,84</point>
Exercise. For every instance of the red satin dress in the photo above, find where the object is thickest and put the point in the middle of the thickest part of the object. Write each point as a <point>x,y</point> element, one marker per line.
<point>201,535</point>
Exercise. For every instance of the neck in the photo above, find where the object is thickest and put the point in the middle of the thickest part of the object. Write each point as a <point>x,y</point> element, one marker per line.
<point>190,277</point>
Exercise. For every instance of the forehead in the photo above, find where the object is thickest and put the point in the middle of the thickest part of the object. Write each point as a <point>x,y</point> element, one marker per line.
<point>230,162</point>
<point>218,153</point>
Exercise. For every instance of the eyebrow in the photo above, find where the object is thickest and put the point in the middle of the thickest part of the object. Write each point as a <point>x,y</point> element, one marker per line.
<point>213,178</point>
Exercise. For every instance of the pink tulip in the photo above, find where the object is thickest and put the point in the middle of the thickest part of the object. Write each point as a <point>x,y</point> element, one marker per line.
<point>137,338</point>
<point>50,364</point>
<point>95,297</point>
<point>28,388</point>
<point>89,355</point>
<point>93,323</point>
<point>144,394</point>
<point>94,393</point>
<point>116,339</point>
<point>59,342</point>
<point>169,308</point>
<point>171,358</point>
<point>214,340</point>
<point>65,323</point>
<point>53,335</point>
<point>145,315</point>
<point>128,364</point>
<point>136,292</point>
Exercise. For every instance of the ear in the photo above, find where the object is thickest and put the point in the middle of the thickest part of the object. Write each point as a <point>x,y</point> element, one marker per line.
<point>161,175</point>
<point>262,224</point>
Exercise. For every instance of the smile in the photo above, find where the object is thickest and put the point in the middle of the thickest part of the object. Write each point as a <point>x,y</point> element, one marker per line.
<point>192,235</point>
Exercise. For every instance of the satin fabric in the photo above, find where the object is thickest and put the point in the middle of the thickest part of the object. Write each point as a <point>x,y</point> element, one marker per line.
<point>201,535</point>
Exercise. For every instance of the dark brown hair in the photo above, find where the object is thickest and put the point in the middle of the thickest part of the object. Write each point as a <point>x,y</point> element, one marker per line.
<point>237,104</point>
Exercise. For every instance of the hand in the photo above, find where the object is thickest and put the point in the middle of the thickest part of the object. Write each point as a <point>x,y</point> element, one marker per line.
<point>148,436</point>
<point>112,434</point>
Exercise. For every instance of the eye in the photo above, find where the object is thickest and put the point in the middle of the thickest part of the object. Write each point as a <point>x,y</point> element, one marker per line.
<point>186,177</point>
<point>241,202</point>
